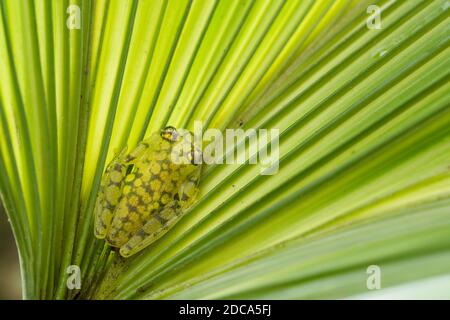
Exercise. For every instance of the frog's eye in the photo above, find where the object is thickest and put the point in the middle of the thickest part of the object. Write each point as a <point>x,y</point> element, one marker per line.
<point>169,134</point>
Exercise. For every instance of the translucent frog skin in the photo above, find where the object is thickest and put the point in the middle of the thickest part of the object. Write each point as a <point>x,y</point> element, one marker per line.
<point>144,193</point>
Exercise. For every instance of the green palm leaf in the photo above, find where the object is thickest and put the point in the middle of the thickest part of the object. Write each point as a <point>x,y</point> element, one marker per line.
<point>363,116</point>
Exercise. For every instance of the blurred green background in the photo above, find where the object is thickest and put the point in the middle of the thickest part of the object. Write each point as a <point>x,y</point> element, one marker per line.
<point>9,261</point>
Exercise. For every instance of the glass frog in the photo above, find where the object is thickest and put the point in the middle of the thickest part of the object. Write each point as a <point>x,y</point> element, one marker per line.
<point>145,192</point>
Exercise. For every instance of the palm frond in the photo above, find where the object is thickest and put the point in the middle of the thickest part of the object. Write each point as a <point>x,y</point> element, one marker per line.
<point>363,115</point>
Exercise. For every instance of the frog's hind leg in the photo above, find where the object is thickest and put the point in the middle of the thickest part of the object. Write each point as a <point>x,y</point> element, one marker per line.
<point>111,185</point>
<point>159,223</point>
<point>163,220</point>
<point>109,194</point>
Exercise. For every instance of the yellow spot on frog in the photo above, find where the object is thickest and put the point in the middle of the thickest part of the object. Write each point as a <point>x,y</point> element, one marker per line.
<point>156,196</point>
<point>133,217</point>
<point>116,176</point>
<point>168,186</point>
<point>121,212</point>
<point>165,199</point>
<point>155,168</point>
<point>152,227</point>
<point>164,175</point>
<point>133,200</point>
<point>113,194</point>
<point>141,209</point>
<point>146,198</point>
<point>126,189</point>
<point>146,176</point>
<point>155,184</point>
<point>128,226</point>
<point>141,192</point>
<point>107,214</point>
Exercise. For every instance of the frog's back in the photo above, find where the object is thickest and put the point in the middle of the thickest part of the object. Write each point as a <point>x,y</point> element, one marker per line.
<point>151,184</point>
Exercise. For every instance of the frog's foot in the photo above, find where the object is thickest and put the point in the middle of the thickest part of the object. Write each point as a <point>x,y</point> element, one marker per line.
<point>156,227</point>
<point>113,239</point>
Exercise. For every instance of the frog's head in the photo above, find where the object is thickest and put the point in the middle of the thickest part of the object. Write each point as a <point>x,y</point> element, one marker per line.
<point>185,149</point>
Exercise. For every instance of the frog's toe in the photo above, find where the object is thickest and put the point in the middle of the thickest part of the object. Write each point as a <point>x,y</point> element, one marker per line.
<point>125,251</point>
<point>114,241</point>
<point>100,232</point>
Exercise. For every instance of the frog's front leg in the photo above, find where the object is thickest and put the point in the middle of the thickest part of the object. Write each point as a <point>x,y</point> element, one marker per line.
<point>158,224</point>
<point>188,191</point>
<point>110,190</point>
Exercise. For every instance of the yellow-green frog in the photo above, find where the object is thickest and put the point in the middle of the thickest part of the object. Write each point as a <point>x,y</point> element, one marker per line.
<point>144,193</point>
